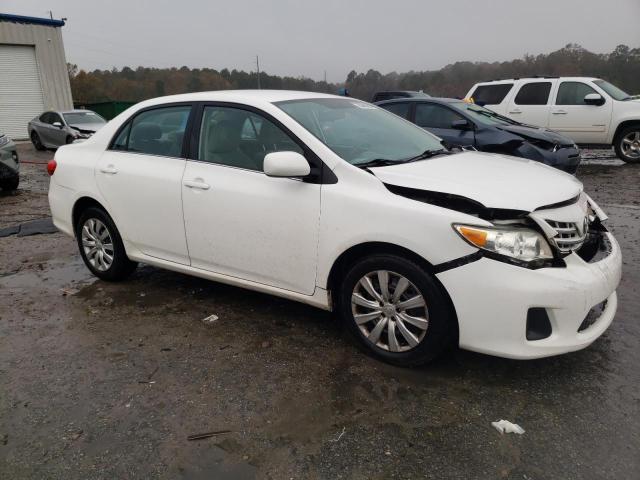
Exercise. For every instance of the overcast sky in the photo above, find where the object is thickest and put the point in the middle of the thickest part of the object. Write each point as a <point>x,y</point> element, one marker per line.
<point>303,37</point>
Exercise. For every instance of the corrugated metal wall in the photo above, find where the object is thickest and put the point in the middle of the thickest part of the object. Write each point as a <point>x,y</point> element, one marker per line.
<point>52,63</point>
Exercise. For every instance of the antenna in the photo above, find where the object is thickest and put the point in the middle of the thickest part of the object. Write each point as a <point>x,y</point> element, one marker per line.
<point>258,67</point>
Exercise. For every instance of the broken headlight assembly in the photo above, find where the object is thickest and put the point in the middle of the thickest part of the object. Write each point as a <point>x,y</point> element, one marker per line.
<point>514,244</point>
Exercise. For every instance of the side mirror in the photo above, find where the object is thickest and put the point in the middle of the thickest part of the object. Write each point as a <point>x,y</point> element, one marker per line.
<point>461,125</point>
<point>57,124</point>
<point>286,164</point>
<point>594,99</point>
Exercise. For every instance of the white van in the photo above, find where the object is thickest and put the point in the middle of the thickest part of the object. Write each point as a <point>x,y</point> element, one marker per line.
<point>591,111</point>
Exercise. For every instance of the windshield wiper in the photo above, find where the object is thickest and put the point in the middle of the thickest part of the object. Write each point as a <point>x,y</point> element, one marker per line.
<point>385,162</point>
<point>427,154</point>
<point>378,162</point>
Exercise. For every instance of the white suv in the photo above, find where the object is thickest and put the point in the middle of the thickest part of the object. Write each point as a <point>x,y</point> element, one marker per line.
<point>590,111</point>
<point>342,205</point>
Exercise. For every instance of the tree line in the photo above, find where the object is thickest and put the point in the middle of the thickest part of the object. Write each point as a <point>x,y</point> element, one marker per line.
<point>620,67</point>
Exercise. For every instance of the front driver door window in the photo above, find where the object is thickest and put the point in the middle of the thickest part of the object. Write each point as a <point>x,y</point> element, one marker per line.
<point>574,118</point>
<point>438,120</point>
<point>238,221</point>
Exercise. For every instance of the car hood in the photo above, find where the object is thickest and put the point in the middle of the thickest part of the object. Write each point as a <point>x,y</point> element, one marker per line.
<point>87,127</point>
<point>495,181</point>
<point>537,133</point>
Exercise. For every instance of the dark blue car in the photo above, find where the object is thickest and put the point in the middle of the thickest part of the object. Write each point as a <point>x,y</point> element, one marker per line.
<point>462,124</point>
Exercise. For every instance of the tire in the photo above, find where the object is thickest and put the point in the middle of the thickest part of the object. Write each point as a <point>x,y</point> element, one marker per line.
<point>432,337</point>
<point>97,221</point>
<point>10,184</point>
<point>35,139</point>
<point>627,144</point>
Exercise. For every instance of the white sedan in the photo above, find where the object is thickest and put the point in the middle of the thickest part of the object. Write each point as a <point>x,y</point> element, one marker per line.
<point>339,204</point>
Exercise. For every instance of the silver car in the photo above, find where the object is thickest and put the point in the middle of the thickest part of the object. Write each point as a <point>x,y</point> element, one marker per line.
<point>52,129</point>
<point>9,165</point>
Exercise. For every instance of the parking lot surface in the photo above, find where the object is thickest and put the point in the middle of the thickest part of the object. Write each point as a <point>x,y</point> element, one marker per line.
<point>101,380</point>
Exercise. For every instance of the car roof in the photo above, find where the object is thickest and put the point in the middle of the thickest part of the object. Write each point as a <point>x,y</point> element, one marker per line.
<point>540,78</point>
<point>239,96</point>
<point>75,110</point>
<point>442,100</point>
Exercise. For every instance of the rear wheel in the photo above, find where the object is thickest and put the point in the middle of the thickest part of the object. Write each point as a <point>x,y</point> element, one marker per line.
<point>395,310</point>
<point>101,246</point>
<point>627,144</point>
<point>35,139</point>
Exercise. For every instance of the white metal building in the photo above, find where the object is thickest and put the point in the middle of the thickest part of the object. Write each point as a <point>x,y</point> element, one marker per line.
<point>33,71</point>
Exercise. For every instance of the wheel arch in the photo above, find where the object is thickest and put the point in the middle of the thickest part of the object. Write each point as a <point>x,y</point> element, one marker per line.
<point>362,250</point>
<point>622,125</point>
<point>80,205</point>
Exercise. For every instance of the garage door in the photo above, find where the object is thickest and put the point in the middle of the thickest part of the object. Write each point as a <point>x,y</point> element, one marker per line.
<point>20,89</point>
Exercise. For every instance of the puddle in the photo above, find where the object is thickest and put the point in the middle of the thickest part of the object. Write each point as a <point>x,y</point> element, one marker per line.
<point>53,276</point>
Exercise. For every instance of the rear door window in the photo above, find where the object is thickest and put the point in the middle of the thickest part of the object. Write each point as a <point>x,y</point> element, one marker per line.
<point>429,115</point>
<point>155,132</point>
<point>573,93</point>
<point>491,94</point>
<point>535,93</point>
<point>400,109</point>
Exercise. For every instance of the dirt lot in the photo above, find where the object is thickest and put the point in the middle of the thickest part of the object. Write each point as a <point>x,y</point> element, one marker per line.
<point>109,381</point>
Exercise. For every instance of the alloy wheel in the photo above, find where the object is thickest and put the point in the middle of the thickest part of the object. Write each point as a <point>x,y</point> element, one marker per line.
<point>97,244</point>
<point>631,145</point>
<point>390,311</point>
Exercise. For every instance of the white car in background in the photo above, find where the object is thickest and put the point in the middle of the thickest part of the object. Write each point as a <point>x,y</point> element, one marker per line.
<point>592,112</point>
<point>342,205</point>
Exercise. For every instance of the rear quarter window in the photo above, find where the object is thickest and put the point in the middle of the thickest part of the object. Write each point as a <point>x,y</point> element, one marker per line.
<point>536,93</point>
<point>491,94</point>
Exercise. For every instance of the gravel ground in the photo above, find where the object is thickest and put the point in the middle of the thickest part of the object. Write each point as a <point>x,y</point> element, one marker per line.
<point>108,380</point>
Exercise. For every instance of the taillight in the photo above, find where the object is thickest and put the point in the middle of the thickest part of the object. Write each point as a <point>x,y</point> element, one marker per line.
<point>51,167</point>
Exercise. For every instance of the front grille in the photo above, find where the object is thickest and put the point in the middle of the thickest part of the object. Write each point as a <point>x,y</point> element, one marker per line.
<point>570,236</point>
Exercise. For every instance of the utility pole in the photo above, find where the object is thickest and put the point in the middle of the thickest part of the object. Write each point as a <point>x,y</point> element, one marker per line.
<point>258,67</point>
<point>325,76</point>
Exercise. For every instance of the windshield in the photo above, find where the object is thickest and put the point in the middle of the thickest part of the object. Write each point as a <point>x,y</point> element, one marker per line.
<point>483,115</point>
<point>78,118</point>
<point>613,91</point>
<point>360,132</point>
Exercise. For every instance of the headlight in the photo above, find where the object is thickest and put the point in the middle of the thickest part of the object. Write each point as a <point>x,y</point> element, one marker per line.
<point>3,140</point>
<point>521,244</point>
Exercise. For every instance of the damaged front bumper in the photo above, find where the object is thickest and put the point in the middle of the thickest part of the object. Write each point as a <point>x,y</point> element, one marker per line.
<point>494,302</point>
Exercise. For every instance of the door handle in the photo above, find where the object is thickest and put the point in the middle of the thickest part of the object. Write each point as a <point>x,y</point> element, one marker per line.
<point>196,184</point>
<point>109,169</point>
<point>517,110</point>
<point>560,112</point>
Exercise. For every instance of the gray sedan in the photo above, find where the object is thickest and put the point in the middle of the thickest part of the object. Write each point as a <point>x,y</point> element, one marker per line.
<point>52,129</point>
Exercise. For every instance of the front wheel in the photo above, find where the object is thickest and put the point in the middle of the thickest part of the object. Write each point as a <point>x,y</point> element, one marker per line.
<point>101,246</point>
<point>37,143</point>
<point>395,310</point>
<point>627,144</point>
